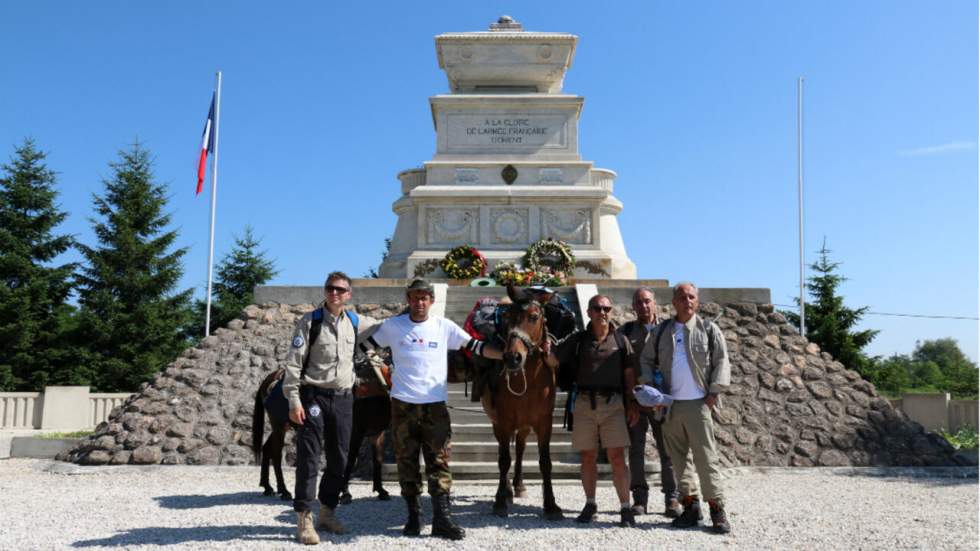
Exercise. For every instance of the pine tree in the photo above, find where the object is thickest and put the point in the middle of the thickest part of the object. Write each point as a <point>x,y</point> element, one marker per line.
<point>34,293</point>
<point>829,323</point>
<point>235,278</point>
<point>131,316</point>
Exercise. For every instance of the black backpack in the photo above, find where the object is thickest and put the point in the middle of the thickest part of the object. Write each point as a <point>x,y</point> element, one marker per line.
<point>569,369</point>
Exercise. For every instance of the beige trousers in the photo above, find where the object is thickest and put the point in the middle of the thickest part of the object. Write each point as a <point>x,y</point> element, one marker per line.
<point>689,427</point>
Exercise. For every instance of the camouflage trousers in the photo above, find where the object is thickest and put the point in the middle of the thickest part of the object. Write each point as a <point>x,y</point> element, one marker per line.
<point>422,428</point>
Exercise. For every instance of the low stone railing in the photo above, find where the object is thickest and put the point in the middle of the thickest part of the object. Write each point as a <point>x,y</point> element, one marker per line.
<point>18,410</point>
<point>64,408</point>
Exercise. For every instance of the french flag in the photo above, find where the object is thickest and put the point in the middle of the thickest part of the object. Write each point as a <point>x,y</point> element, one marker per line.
<point>207,146</point>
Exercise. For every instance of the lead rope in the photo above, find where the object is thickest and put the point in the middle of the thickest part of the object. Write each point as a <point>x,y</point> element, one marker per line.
<point>511,390</point>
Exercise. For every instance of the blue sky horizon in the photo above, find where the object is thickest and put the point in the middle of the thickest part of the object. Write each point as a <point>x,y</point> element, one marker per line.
<point>693,105</point>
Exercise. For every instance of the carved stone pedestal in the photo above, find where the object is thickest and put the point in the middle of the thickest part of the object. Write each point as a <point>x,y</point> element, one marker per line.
<point>507,171</point>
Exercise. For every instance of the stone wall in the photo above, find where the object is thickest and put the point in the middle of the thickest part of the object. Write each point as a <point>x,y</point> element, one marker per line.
<point>789,404</point>
<point>199,410</point>
<point>792,405</point>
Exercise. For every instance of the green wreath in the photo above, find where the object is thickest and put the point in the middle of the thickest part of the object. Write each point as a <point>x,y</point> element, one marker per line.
<point>464,262</point>
<point>549,255</point>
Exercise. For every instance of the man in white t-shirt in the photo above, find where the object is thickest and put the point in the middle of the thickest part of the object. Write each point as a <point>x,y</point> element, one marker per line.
<point>419,390</point>
<point>689,354</point>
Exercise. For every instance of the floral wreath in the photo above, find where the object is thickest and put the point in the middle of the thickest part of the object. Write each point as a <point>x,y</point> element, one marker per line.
<point>464,262</point>
<point>553,248</point>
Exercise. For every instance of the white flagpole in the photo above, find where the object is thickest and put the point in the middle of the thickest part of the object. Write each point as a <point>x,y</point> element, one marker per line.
<point>214,200</point>
<point>799,191</point>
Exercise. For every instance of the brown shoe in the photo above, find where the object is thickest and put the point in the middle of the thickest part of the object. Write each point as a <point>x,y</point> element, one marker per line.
<point>691,515</point>
<point>673,508</point>
<point>719,522</point>
<point>329,522</point>
<point>304,528</point>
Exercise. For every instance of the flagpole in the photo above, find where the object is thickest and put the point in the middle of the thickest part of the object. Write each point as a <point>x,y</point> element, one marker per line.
<point>214,200</point>
<point>799,191</point>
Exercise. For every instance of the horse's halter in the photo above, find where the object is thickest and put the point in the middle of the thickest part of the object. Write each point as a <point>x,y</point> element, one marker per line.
<point>533,348</point>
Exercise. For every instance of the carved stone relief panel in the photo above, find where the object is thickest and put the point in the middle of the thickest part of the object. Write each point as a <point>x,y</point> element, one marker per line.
<point>572,225</point>
<point>509,226</point>
<point>452,225</point>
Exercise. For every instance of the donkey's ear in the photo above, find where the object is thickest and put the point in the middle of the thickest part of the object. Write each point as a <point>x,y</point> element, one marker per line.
<point>513,293</point>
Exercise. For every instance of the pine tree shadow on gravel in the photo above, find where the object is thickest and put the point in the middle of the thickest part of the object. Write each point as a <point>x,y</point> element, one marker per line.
<point>201,501</point>
<point>175,535</point>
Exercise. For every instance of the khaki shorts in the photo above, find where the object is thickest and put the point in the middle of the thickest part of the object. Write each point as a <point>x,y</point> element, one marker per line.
<point>607,422</point>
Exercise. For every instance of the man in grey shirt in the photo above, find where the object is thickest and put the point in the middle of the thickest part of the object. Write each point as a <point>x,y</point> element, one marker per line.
<point>318,382</point>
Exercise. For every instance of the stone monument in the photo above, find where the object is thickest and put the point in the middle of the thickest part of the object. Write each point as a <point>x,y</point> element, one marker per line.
<point>507,170</point>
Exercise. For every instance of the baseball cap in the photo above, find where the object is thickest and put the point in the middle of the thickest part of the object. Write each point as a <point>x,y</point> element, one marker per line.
<point>420,285</point>
<point>650,397</point>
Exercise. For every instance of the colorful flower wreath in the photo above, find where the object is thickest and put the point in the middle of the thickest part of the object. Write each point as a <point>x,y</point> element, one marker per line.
<point>558,253</point>
<point>464,262</point>
<point>507,273</point>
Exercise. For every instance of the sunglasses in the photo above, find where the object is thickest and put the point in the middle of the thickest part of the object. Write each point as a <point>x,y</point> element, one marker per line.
<point>603,309</point>
<point>338,290</point>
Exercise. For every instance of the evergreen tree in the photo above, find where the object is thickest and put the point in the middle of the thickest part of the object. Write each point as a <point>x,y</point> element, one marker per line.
<point>34,293</point>
<point>235,278</point>
<point>131,317</point>
<point>829,323</point>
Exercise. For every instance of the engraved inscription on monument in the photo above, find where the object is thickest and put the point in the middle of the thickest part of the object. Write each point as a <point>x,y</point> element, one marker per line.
<point>500,129</point>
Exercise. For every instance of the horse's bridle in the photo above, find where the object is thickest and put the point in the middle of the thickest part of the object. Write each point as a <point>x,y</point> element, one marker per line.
<point>532,349</point>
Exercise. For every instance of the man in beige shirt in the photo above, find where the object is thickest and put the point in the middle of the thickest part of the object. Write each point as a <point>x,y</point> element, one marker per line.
<point>690,355</point>
<point>318,382</point>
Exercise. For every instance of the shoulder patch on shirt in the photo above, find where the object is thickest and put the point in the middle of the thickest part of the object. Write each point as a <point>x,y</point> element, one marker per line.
<point>298,341</point>
<point>433,344</point>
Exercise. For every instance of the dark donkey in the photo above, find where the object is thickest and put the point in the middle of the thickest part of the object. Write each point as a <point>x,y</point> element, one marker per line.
<point>525,401</point>
<point>371,415</point>
<point>271,450</point>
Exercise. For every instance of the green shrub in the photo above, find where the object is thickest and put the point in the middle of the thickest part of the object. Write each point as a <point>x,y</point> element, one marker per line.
<point>963,439</point>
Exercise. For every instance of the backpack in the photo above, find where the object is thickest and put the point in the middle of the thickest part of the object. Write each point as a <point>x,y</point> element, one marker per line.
<point>276,403</point>
<point>569,369</point>
<point>560,317</point>
<point>483,321</point>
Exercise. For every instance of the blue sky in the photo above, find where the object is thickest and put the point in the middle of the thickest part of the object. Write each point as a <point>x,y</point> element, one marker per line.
<point>693,104</point>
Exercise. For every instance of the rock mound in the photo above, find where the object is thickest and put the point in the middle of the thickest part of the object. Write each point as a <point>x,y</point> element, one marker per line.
<point>199,410</point>
<point>789,405</point>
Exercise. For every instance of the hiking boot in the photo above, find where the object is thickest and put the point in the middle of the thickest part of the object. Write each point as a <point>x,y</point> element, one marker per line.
<point>304,528</point>
<point>588,513</point>
<point>719,522</point>
<point>691,515</point>
<point>626,519</point>
<point>328,521</point>
<point>673,509</point>
<point>443,525</point>
<point>413,526</point>
<point>639,502</point>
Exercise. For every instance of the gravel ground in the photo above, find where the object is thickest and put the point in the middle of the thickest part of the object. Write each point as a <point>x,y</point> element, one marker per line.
<point>45,504</point>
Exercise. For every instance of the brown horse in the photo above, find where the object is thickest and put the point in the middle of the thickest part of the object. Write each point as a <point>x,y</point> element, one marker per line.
<point>371,416</point>
<point>271,450</point>
<point>525,401</point>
